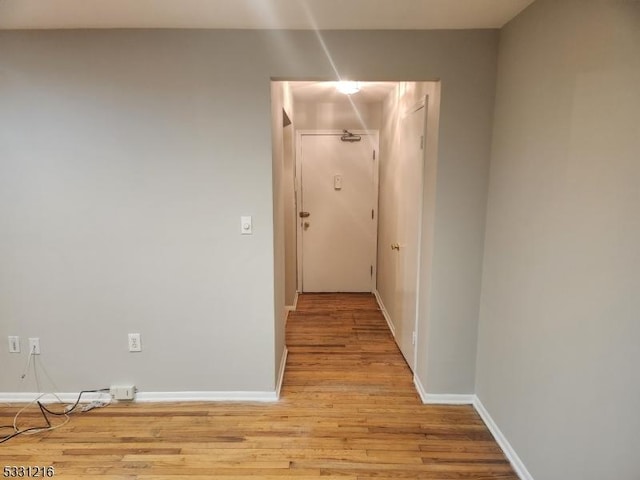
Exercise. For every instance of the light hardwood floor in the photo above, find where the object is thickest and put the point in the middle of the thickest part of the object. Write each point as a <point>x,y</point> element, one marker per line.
<point>348,411</point>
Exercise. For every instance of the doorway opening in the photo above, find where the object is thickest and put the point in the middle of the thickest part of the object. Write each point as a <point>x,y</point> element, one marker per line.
<point>361,196</point>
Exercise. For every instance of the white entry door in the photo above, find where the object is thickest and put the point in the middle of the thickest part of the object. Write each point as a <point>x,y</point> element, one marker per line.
<point>337,213</point>
<point>409,224</point>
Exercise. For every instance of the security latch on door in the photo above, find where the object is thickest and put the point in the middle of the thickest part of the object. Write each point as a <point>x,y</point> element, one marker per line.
<point>304,214</point>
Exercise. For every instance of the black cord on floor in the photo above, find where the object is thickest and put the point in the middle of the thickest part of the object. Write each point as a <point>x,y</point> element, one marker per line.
<point>67,412</point>
<point>19,432</point>
<point>44,410</point>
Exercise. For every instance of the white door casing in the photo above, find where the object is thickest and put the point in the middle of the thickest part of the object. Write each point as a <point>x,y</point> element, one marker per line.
<point>337,186</point>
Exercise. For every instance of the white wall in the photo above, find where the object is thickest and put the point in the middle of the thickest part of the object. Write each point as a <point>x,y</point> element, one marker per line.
<point>126,161</point>
<point>290,215</point>
<point>559,331</point>
<point>428,349</point>
<point>338,115</point>
<point>281,104</point>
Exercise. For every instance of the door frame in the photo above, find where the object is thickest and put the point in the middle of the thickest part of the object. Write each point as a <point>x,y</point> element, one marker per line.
<point>298,192</point>
<point>422,103</point>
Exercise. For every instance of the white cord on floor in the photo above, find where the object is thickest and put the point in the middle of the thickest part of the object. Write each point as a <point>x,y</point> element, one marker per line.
<point>39,430</point>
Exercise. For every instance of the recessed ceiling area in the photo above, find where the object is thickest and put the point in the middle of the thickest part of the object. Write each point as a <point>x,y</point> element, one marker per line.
<point>259,14</point>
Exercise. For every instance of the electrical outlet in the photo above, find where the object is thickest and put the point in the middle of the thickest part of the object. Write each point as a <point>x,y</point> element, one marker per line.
<point>123,392</point>
<point>14,344</point>
<point>34,346</point>
<point>134,342</point>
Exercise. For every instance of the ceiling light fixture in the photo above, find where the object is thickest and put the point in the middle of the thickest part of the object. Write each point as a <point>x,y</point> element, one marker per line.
<point>348,87</point>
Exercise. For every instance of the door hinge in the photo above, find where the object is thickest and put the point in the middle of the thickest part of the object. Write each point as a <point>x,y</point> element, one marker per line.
<point>372,214</point>
<point>421,142</point>
<point>372,270</point>
<point>374,154</point>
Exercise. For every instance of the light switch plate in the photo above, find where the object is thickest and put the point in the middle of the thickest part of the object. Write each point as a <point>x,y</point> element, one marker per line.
<point>246,225</point>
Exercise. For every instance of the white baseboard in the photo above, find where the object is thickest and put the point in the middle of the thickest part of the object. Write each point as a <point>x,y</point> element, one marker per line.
<point>198,396</point>
<point>502,441</point>
<point>295,300</point>
<point>28,397</point>
<point>385,313</point>
<point>204,396</point>
<point>442,399</point>
<point>421,391</point>
<point>290,308</point>
<point>283,366</point>
<point>448,399</point>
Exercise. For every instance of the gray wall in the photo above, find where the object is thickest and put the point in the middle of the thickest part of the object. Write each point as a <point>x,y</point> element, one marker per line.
<point>124,170</point>
<point>126,160</point>
<point>559,332</point>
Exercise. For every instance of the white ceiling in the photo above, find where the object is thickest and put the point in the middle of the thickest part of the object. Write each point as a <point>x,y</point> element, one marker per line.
<point>269,14</point>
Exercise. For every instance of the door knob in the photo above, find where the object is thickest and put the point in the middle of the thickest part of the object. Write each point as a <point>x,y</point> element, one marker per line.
<point>304,214</point>
<point>395,246</point>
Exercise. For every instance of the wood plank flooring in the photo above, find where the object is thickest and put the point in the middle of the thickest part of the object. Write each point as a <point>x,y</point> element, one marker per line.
<point>348,411</point>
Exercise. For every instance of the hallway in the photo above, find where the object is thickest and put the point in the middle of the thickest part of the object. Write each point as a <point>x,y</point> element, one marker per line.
<point>348,411</point>
<point>340,345</point>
